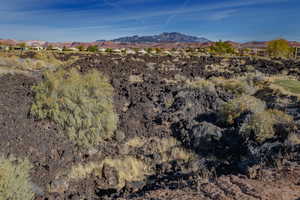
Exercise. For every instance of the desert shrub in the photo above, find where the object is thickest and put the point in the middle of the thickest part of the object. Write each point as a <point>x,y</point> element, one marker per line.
<point>128,168</point>
<point>81,104</point>
<point>234,108</point>
<point>14,179</point>
<point>262,124</point>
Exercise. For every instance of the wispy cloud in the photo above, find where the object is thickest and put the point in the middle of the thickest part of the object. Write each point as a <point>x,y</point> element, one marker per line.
<point>108,18</point>
<point>219,15</point>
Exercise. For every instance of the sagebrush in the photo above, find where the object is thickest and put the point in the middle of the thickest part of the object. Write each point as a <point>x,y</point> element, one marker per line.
<point>81,104</point>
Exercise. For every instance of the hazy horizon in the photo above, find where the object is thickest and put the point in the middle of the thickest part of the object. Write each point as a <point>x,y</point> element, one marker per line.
<point>91,20</point>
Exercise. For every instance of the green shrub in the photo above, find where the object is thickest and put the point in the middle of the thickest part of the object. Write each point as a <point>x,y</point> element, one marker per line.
<point>262,124</point>
<point>81,104</point>
<point>92,48</point>
<point>14,179</point>
<point>222,48</point>
<point>234,108</point>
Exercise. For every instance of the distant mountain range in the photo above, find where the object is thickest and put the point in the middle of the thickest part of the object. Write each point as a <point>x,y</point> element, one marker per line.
<point>164,40</point>
<point>161,38</point>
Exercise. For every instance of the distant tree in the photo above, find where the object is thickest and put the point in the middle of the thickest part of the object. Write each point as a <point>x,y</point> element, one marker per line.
<point>279,48</point>
<point>50,47</point>
<point>108,50</point>
<point>80,48</point>
<point>22,45</point>
<point>158,50</point>
<point>92,48</point>
<point>222,48</point>
<point>136,49</point>
<point>149,50</point>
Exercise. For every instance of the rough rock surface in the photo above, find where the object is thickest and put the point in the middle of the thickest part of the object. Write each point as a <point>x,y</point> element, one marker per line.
<point>226,166</point>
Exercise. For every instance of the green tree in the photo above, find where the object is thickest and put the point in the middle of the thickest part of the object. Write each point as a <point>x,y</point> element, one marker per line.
<point>92,48</point>
<point>279,48</point>
<point>80,48</point>
<point>158,50</point>
<point>222,48</point>
<point>108,50</point>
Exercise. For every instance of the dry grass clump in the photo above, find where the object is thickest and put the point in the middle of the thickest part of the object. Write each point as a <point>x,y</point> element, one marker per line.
<point>129,169</point>
<point>202,84</point>
<point>81,104</point>
<point>136,142</point>
<point>288,87</point>
<point>262,124</point>
<point>135,79</point>
<point>234,108</point>
<point>39,61</point>
<point>294,139</point>
<point>14,179</point>
<point>15,62</point>
<point>168,148</point>
<point>237,87</point>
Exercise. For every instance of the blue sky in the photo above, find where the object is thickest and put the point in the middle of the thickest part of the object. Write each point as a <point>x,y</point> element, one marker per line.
<point>90,20</point>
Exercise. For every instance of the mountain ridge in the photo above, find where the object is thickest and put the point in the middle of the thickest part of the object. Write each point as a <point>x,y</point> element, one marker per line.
<point>166,37</point>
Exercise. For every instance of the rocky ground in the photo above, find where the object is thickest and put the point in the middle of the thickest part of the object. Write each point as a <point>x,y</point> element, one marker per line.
<point>167,125</point>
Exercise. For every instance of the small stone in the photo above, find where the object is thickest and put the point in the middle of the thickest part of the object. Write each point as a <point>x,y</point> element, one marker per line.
<point>120,136</point>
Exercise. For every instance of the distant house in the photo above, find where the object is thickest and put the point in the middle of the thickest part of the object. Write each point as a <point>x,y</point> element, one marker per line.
<point>116,51</point>
<point>297,53</point>
<point>142,51</point>
<point>72,49</point>
<point>153,51</point>
<point>18,48</point>
<point>56,49</point>
<point>4,48</point>
<point>102,49</point>
<point>37,48</point>
<point>262,52</point>
<point>130,51</point>
<point>167,52</point>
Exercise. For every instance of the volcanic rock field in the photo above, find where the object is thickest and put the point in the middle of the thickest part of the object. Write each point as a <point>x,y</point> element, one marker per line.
<point>180,127</point>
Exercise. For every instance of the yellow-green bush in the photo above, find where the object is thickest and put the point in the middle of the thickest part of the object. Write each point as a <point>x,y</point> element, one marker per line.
<point>234,108</point>
<point>81,104</point>
<point>262,124</point>
<point>14,179</point>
